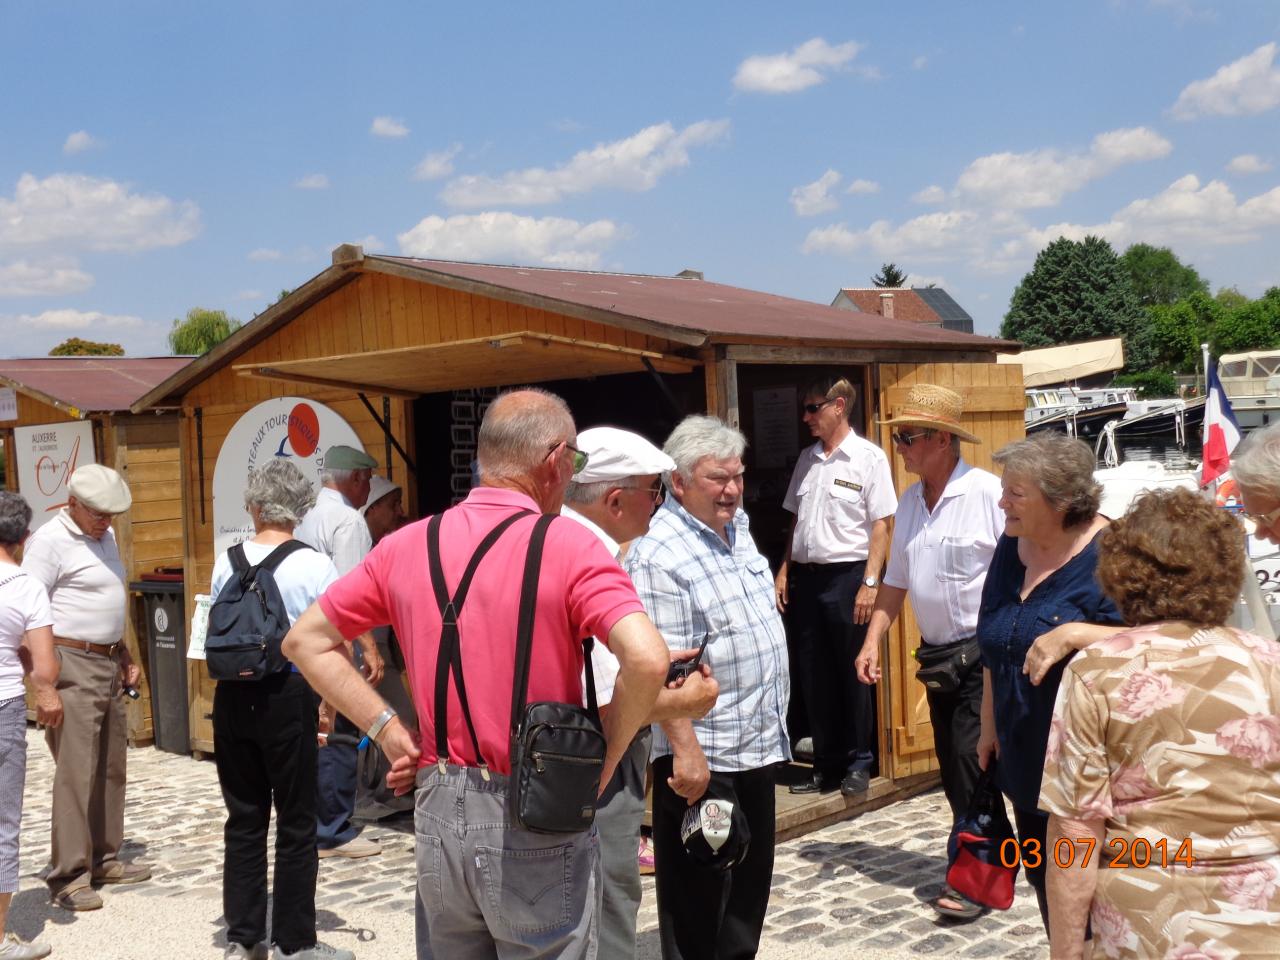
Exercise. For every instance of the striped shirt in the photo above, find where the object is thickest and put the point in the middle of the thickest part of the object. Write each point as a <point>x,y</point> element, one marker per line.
<point>695,586</point>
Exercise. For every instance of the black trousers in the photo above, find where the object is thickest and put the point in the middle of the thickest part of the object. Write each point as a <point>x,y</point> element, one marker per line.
<point>264,737</point>
<point>705,914</point>
<point>841,709</point>
<point>957,721</point>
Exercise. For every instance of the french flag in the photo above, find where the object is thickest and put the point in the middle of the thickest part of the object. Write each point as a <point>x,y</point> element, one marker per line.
<point>1221,432</point>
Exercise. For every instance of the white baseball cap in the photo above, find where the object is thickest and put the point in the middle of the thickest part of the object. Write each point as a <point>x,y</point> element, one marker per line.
<point>379,487</point>
<point>614,454</point>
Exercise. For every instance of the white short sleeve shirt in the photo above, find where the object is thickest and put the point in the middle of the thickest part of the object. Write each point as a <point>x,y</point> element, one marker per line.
<point>836,498</point>
<point>337,530</point>
<point>941,558</point>
<point>301,577</point>
<point>24,605</point>
<point>604,665</point>
<point>84,577</point>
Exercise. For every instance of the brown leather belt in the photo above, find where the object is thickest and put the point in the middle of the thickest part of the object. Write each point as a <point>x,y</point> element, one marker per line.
<point>84,646</point>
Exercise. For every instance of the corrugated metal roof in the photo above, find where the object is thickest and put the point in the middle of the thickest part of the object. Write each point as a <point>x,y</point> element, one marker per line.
<point>90,384</point>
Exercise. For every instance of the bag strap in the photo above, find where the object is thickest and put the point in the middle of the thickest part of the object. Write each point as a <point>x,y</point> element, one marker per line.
<point>239,562</point>
<point>449,657</point>
<point>281,553</point>
<point>524,632</point>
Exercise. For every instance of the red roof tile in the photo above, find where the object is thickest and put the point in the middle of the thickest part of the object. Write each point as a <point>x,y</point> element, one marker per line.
<point>907,304</point>
<point>103,384</point>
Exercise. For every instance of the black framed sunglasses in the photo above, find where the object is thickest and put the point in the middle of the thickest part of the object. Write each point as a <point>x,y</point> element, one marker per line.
<point>812,408</point>
<point>906,439</point>
<point>579,458</point>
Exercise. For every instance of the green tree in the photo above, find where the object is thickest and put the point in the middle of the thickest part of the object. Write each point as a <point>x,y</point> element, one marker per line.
<point>1150,383</point>
<point>1230,297</point>
<point>1159,277</point>
<point>1170,337</point>
<point>1077,290</point>
<point>200,331</point>
<point>890,276</point>
<point>75,347</point>
<point>1253,326</point>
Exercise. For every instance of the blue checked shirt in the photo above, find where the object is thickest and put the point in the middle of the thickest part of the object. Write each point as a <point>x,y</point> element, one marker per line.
<point>695,586</point>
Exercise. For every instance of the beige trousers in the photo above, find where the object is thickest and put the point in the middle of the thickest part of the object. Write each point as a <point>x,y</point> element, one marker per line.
<point>89,750</point>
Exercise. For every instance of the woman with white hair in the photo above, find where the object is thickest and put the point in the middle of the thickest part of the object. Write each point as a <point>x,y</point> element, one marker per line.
<point>1255,466</point>
<point>264,735</point>
<point>26,647</point>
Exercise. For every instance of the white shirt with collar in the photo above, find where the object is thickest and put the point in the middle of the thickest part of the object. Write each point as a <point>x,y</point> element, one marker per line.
<point>836,498</point>
<point>941,558</point>
<point>335,528</point>
<point>604,665</point>
<point>84,577</point>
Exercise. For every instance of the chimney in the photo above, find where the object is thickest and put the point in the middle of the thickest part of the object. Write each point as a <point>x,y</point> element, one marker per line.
<point>347,253</point>
<point>690,275</point>
<point>886,305</point>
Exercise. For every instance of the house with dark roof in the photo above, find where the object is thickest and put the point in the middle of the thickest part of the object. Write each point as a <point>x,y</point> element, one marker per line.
<point>931,306</point>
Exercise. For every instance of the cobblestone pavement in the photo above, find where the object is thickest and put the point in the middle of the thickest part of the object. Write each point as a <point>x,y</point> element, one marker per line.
<point>855,889</point>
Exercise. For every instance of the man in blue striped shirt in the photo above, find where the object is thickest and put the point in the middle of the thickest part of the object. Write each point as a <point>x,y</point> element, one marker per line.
<point>702,580</point>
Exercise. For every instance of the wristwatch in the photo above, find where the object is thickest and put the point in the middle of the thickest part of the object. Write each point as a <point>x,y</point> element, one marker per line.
<point>871,582</point>
<point>382,720</point>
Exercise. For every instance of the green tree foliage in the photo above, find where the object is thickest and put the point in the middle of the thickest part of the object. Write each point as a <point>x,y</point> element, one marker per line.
<point>1159,277</point>
<point>1230,298</point>
<point>1253,326</point>
<point>200,331</point>
<point>1171,336</point>
<point>1077,290</point>
<point>1150,383</point>
<point>75,347</point>
<point>890,276</point>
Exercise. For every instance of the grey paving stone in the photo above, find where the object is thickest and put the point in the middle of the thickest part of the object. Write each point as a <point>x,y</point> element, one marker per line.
<point>935,943</point>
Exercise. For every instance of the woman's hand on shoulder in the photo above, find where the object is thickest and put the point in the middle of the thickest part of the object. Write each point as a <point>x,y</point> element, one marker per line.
<point>1062,641</point>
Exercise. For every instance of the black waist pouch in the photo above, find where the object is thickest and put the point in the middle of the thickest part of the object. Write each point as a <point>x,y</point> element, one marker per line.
<point>557,756</point>
<point>943,667</point>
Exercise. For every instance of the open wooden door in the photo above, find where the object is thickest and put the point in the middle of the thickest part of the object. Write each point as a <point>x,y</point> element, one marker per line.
<point>994,404</point>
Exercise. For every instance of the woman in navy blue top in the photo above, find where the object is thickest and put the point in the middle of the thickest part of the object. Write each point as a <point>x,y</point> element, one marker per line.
<point>1041,577</point>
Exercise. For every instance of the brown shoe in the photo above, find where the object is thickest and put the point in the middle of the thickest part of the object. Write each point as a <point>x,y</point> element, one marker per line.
<point>81,898</point>
<point>120,872</point>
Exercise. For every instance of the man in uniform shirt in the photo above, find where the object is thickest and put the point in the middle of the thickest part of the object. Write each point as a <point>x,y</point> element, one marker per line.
<point>842,495</point>
<point>75,557</point>
<point>944,535</point>
<point>335,527</point>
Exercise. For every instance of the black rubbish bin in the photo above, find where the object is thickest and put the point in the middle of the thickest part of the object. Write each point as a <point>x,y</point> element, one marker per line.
<point>167,655</point>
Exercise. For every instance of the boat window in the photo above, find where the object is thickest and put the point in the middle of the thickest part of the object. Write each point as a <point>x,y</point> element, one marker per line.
<point>1267,365</point>
<point>1235,368</point>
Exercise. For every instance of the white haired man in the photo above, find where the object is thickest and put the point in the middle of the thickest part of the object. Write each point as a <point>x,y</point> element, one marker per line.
<point>706,585</point>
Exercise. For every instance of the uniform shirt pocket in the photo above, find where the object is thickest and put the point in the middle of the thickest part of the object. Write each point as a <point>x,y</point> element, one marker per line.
<point>960,560</point>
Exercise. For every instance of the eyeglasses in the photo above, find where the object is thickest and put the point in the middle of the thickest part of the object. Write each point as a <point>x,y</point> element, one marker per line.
<point>906,439</point>
<point>1262,519</point>
<point>579,458</point>
<point>97,516</point>
<point>812,408</point>
<point>657,492</point>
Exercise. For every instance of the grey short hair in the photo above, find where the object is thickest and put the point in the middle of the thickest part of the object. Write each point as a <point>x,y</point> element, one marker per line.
<point>15,518</point>
<point>331,477</point>
<point>518,430</point>
<point>280,492</point>
<point>1255,464</point>
<point>1062,467</point>
<point>588,492</point>
<point>699,436</point>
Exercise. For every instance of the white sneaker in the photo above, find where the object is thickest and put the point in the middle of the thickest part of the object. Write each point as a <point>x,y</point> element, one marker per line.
<point>14,948</point>
<point>353,849</point>
<point>321,951</point>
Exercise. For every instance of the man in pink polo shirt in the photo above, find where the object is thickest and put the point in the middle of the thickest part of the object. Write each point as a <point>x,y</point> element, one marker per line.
<point>484,884</point>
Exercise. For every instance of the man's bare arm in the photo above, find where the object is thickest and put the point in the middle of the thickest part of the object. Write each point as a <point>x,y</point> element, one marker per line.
<point>888,606</point>
<point>642,667</point>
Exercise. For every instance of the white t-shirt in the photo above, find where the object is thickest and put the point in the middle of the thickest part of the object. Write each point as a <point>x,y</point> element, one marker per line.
<point>24,605</point>
<point>302,577</point>
<point>604,665</point>
<point>336,529</point>
<point>84,577</point>
<point>941,558</point>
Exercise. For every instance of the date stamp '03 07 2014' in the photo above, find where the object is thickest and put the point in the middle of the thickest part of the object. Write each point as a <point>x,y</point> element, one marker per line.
<point>1079,852</point>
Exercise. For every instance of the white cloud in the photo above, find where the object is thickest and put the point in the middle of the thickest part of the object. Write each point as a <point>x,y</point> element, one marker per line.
<point>76,320</point>
<point>814,198</point>
<point>75,212</point>
<point>1246,86</point>
<point>862,187</point>
<point>1248,163</point>
<point>930,236</point>
<point>313,181</point>
<point>370,243</point>
<point>635,163</point>
<point>437,165</point>
<point>42,278</point>
<point>1041,178</point>
<point>264,254</point>
<point>78,142</point>
<point>930,195</point>
<point>920,62</point>
<point>798,69</point>
<point>391,127</point>
<point>499,236</point>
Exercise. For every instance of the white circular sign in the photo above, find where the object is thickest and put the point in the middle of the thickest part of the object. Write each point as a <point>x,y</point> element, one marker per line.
<point>161,619</point>
<point>293,427</point>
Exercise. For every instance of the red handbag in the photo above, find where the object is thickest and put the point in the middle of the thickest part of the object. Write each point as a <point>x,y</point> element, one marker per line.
<point>975,867</point>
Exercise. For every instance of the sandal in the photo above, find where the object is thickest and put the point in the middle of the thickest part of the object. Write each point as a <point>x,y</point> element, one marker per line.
<point>965,910</point>
<point>644,857</point>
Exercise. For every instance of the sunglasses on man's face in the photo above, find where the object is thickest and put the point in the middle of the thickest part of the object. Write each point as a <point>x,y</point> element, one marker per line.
<point>579,458</point>
<point>906,439</point>
<point>812,408</point>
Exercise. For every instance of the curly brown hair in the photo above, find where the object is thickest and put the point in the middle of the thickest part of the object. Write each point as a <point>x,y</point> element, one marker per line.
<point>1173,556</point>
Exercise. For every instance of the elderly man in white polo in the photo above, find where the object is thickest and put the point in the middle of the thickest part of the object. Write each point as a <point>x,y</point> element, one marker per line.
<point>76,558</point>
<point>944,534</point>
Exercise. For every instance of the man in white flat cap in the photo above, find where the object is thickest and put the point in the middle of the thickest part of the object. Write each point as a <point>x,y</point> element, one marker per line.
<point>76,558</point>
<point>614,496</point>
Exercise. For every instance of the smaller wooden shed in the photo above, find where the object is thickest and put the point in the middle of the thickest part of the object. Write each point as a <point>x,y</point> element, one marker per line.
<point>98,391</point>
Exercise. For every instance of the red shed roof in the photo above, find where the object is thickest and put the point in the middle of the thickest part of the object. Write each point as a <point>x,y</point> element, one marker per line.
<point>907,304</point>
<point>89,384</point>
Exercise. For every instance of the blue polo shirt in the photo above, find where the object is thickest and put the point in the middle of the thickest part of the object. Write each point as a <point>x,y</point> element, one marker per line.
<point>1007,626</point>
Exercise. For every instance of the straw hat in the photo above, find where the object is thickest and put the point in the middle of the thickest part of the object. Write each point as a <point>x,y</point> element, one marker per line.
<point>933,407</point>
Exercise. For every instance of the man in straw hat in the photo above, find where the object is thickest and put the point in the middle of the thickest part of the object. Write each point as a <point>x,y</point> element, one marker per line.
<point>842,496</point>
<point>75,557</point>
<point>944,535</point>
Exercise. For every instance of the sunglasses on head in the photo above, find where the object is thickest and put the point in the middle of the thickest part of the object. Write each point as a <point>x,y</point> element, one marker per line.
<point>812,408</point>
<point>906,439</point>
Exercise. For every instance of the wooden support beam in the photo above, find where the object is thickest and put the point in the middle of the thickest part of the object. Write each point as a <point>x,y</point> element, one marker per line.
<point>272,373</point>
<point>834,355</point>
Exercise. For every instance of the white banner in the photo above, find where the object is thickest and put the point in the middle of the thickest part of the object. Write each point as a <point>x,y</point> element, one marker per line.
<point>47,456</point>
<point>293,427</point>
<point>8,403</point>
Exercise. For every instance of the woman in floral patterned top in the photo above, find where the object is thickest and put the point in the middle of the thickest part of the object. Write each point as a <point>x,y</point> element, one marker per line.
<point>1162,775</point>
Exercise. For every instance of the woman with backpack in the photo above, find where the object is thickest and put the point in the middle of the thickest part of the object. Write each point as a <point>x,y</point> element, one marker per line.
<point>264,722</point>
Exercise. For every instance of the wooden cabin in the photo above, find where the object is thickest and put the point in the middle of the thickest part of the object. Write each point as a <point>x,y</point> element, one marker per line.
<point>408,353</point>
<point>89,399</point>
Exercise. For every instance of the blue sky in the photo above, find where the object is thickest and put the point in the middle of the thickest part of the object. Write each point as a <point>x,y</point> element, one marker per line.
<point>156,157</point>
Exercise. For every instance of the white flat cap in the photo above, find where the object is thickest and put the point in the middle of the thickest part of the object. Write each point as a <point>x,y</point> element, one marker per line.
<point>614,454</point>
<point>100,488</point>
<point>379,487</point>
